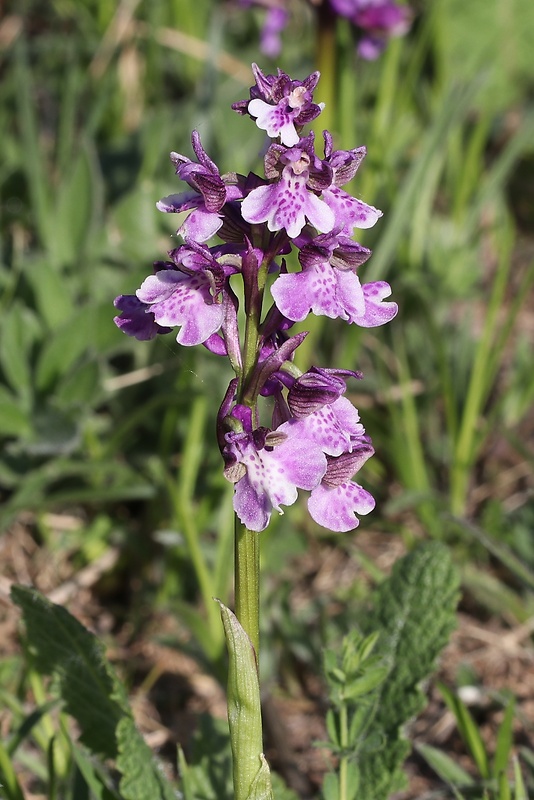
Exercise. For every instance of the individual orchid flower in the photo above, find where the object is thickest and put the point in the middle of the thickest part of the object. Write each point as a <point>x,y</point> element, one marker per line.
<point>267,468</point>
<point>349,212</point>
<point>290,200</point>
<point>280,105</point>
<point>321,414</point>
<point>210,191</point>
<point>185,293</point>
<point>329,286</point>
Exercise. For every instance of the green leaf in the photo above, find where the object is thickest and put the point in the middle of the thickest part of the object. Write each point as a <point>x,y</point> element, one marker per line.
<point>89,687</point>
<point>8,777</point>
<point>142,779</point>
<point>51,291</point>
<point>261,788</point>
<point>17,334</point>
<point>520,790</point>
<point>90,775</point>
<point>331,786</point>
<point>64,346</point>
<point>14,419</point>
<point>414,612</point>
<point>244,708</point>
<point>468,730</point>
<point>504,741</point>
<point>75,207</point>
<point>444,766</point>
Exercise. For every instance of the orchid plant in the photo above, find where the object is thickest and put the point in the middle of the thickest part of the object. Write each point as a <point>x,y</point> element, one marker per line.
<point>279,429</point>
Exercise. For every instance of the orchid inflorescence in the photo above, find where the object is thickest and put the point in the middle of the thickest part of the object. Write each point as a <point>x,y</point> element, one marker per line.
<point>315,440</point>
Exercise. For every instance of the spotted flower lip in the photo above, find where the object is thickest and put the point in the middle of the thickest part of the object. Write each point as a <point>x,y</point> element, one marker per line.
<point>337,500</point>
<point>289,202</point>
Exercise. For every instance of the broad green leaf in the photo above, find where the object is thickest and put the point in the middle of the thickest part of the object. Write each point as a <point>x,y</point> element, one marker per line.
<point>64,346</point>
<point>330,788</point>
<point>89,688</point>
<point>444,766</point>
<point>16,337</point>
<point>414,612</point>
<point>75,208</point>
<point>52,291</point>
<point>142,778</point>
<point>14,418</point>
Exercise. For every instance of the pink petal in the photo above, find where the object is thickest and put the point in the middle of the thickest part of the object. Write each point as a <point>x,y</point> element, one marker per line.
<point>335,508</point>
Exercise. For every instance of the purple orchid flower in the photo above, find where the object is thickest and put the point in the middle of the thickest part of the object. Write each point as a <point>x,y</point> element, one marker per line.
<point>316,441</point>
<point>185,294</point>
<point>281,106</point>
<point>349,212</point>
<point>328,285</point>
<point>210,192</point>
<point>290,200</point>
<point>268,467</point>
<point>379,20</point>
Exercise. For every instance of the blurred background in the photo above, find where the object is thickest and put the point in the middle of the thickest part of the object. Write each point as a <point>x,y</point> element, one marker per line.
<point>113,501</point>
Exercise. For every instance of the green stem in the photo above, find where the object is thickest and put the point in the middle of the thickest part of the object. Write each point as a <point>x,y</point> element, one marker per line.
<point>247,582</point>
<point>326,61</point>
<point>343,761</point>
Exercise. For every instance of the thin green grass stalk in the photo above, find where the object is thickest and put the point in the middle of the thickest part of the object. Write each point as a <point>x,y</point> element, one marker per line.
<point>32,162</point>
<point>181,493</point>
<point>472,167</point>
<point>480,383</point>
<point>409,454</point>
<point>346,113</point>
<point>68,108</point>
<point>387,97</point>
<point>326,63</point>
<point>419,243</point>
<point>8,777</point>
<point>344,759</point>
<point>58,757</point>
<point>452,111</point>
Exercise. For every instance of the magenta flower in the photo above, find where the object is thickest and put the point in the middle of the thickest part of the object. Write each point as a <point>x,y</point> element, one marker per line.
<point>288,202</point>
<point>281,106</point>
<point>378,21</point>
<point>209,193</point>
<point>268,467</point>
<point>328,285</point>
